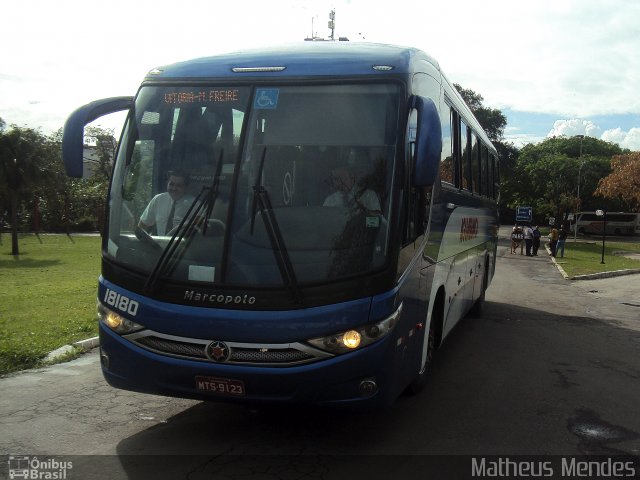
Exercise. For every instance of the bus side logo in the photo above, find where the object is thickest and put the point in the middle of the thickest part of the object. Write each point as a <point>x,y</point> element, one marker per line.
<point>468,229</point>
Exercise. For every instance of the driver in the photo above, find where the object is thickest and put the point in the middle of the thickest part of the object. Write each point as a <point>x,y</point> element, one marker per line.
<point>347,193</point>
<point>166,210</point>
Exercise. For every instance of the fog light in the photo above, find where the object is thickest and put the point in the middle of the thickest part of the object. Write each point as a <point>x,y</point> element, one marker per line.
<point>367,387</point>
<point>351,339</point>
<point>104,358</point>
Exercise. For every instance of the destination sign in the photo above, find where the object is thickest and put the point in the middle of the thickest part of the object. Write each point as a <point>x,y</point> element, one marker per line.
<point>202,96</point>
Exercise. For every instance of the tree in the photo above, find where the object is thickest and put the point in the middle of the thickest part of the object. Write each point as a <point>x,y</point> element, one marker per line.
<point>623,183</point>
<point>546,175</point>
<point>21,155</point>
<point>105,145</point>
<point>93,191</point>
<point>492,120</point>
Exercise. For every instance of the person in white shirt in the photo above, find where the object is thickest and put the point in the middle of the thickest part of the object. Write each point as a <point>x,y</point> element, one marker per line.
<point>166,210</point>
<point>348,194</point>
<point>528,239</point>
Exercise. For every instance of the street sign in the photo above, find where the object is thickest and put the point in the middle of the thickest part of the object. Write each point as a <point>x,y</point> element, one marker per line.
<point>524,214</point>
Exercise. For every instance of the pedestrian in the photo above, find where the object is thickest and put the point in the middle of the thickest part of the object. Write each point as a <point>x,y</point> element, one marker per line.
<point>528,239</point>
<point>516,239</point>
<point>553,240</point>
<point>536,240</point>
<point>562,236</point>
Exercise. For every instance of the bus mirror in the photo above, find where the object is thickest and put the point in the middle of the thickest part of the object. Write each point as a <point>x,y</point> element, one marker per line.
<point>73,134</point>
<point>428,142</point>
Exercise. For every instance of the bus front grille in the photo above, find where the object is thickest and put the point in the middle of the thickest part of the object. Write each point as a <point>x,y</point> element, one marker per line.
<point>278,355</point>
<point>180,349</point>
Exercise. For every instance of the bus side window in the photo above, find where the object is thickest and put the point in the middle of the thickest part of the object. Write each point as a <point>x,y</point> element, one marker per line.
<point>496,177</point>
<point>490,176</point>
<point>475,164</point>
<point>484,183</point>
<point>411,192</point>
<point>447,167</point>
<point>465,149</point>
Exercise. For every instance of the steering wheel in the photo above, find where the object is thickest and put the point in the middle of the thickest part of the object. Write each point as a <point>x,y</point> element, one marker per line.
<point>197,227</point>
<point>144,237</point>
<point>214,222</point>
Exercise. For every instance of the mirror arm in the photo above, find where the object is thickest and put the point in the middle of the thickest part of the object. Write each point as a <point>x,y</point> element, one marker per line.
<point>73,134</point>
<point>428,141</point>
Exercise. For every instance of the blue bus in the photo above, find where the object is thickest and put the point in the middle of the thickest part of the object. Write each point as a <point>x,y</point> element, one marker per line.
<point>330,214</point>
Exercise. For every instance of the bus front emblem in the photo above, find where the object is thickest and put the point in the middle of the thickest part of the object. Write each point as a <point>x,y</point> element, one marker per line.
<point>217,351</point>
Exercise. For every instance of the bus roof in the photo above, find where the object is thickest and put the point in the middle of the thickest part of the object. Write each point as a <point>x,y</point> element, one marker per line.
<point>301,59</point>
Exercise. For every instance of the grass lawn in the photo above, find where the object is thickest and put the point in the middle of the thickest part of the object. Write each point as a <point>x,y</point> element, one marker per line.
<point>584,258</point>
<point>47,296</point>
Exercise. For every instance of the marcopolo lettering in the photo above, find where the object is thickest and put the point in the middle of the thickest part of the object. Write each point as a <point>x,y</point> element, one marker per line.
<point>219,298</point>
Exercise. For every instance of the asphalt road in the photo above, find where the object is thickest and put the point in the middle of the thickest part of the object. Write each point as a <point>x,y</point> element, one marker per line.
<point>551,369</point>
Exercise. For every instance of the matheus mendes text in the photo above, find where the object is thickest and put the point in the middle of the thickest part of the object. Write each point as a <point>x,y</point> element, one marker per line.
<point>567,467</point>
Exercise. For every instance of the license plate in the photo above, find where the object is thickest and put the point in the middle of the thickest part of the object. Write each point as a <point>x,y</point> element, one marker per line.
<point>220,386</point>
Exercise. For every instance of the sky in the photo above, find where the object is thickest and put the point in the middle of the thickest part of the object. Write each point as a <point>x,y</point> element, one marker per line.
<point>553,67</point>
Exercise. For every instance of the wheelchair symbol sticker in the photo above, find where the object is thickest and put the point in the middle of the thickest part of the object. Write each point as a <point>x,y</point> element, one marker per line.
<point>266,98</point>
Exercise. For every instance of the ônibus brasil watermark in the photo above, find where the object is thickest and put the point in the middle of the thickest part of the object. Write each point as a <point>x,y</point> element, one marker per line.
<point>38,468</point>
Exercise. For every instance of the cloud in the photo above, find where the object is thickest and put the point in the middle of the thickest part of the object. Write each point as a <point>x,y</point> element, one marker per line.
<point>568,59</point>
<point>570,128</point>
<point>519,138</point>
<point>630,139</point>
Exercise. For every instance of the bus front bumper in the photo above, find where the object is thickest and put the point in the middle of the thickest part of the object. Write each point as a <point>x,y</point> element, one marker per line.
<point>356,378</point>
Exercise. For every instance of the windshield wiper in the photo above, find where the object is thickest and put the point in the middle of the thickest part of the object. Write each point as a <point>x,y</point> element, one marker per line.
<point>262,201</point>
<point>204,202</point>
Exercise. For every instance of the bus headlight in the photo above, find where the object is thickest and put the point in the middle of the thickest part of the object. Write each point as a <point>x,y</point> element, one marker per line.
<point>116,322</point>
<point>351,340</point>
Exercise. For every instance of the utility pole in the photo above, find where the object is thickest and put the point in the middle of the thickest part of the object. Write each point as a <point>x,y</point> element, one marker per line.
<point>332,23</point>
<point>578,207</point>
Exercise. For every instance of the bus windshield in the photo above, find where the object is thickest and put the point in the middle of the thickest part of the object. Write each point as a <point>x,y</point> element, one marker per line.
<point>268,186</point>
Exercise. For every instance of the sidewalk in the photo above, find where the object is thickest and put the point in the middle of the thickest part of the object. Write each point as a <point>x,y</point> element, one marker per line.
<point>612,297</point>
<point>505,234</point>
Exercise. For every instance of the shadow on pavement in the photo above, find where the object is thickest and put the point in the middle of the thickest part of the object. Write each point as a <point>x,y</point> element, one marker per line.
<point>497,386</point>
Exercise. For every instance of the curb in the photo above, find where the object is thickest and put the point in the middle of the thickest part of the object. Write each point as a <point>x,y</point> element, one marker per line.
<point>558,266</point>
<point>88,343</point>
<point>84,345</point>
<point>592,276</point>
<point>613,273</point>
